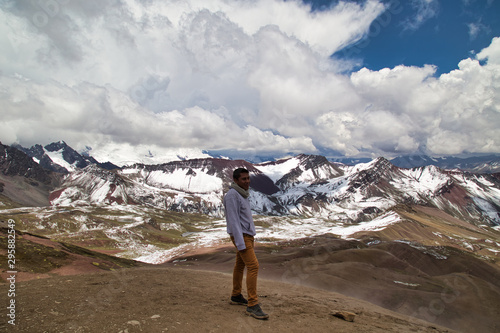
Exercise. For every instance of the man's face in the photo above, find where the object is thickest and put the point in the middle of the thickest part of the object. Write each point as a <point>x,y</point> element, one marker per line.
<point>243,181</point>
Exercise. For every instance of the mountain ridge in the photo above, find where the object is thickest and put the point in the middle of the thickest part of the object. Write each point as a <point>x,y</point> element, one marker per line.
<point>61,158</point>
<point>479,163</point>
<point>476,164</point>
<point>304,185</point>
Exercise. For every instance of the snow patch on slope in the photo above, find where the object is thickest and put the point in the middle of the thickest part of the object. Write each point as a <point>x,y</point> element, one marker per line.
<point>123,154</point>
<point>278,170</point>
<point>182,180</point>
<point>269,229</point>
<point>57,158</point>
<point>418,181</point>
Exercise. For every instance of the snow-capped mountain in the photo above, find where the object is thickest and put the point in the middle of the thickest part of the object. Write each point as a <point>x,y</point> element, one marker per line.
<point>124,154</point>
<point>366,190</point>
<point>305,185</point>
<point>186,186</point>
<point>59,157</point>
<point>287,173</point>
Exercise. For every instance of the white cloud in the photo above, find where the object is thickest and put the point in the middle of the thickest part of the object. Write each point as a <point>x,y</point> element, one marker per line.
<point>491,53</point>
<point>252,76</point>
<point>474,30</point>
<point>89,115</point>
<point>424,10</point>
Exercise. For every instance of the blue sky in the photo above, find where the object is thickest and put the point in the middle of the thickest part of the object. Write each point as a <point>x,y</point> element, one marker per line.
<point>253,78</point>
<point>415,33</point>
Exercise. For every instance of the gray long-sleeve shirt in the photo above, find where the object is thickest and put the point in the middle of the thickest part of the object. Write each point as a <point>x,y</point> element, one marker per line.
<point>239,219</point>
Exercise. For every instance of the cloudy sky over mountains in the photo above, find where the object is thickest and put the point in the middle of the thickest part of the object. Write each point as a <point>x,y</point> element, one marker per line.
<point>354,78</point>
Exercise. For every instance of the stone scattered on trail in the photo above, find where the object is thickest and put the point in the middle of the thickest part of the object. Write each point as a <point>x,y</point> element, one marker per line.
<point>347,316</point>
<point>134,323</point>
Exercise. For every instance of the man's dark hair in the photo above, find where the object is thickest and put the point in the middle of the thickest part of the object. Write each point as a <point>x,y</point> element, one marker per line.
<point>237,173</point>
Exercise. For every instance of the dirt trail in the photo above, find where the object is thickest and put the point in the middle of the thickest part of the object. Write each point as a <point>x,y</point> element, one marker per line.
<point>173,299</point>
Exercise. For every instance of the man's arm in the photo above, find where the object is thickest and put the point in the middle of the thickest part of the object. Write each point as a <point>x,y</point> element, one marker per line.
<point>233,221</point>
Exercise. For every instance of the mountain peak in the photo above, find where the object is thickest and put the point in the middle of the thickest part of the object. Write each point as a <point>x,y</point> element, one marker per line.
<point>56,146</point>
<point>61,158</point>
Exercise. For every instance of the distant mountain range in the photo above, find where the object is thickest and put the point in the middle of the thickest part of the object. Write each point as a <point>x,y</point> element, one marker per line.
<point>304,185</point>
<point>59,157</point>
<point>477,164</point>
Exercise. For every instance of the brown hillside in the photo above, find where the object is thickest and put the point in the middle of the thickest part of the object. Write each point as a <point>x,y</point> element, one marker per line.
<point>442,285</point>
<point>64,288</point>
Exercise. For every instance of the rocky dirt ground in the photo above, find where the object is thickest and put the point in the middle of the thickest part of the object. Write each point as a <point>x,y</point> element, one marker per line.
<point>163,299</point>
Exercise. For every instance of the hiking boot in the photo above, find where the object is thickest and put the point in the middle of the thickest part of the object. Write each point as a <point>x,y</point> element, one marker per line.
<point>256,312</point>
<point>238,300</point>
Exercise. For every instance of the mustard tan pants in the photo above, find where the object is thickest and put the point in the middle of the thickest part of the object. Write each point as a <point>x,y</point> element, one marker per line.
<point>246,258</point>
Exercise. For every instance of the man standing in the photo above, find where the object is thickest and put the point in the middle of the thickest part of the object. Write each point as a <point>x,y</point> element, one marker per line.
<point>241,228</point>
